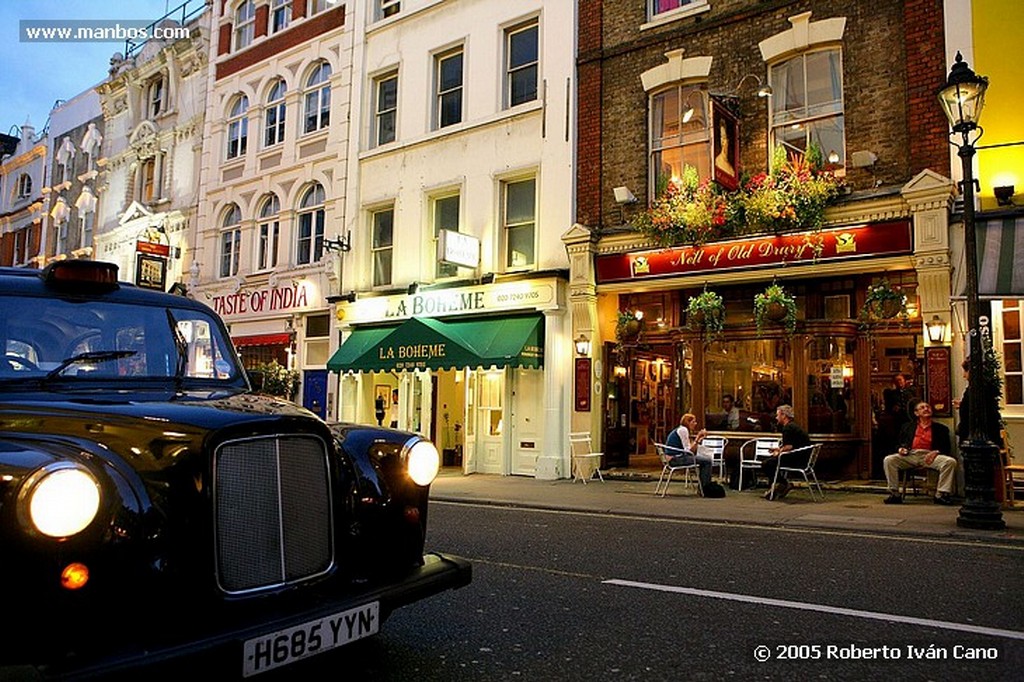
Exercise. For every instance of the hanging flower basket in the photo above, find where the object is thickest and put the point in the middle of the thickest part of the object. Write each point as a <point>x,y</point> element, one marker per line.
<point>706,313</point>
<point>774,305</point>
<point>884,302</point>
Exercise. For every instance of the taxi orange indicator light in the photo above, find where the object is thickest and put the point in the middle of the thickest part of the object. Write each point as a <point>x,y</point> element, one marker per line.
<point>74,576</point>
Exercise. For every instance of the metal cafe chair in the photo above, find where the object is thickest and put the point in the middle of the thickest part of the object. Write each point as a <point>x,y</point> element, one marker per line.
<point>585,462</point>
<point>665,454</point>
<point>753,452</point>
<point>805,469</point>
<point>714,447</point>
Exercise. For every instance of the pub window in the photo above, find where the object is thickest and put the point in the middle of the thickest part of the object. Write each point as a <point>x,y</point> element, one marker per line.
<point>680,134</point>
<point>383,224</point>
<point>807,104</point>
<point>758,374</point>
<point>659,8</point>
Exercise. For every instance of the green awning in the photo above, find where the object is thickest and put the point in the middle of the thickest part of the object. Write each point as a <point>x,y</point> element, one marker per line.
<point>427,343</point>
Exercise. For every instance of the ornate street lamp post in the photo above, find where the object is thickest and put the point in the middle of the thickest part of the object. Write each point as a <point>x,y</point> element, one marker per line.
<point>962,99</point>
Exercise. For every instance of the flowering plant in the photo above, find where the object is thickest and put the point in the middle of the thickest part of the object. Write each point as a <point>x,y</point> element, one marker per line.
<point>271,378</point>
<point>777,305</point>
<point>705,312</point>
<point>687,211</point>
<point>793,195</point>
<point>883,302</point>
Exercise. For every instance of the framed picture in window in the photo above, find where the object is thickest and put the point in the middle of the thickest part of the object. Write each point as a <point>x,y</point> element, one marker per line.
<point>725,134</point>
<point>151,272</point>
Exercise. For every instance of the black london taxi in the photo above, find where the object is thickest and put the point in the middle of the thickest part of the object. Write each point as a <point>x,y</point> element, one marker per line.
<point>154,510</point>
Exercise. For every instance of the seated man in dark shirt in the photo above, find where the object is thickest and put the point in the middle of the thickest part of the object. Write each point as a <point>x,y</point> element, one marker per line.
<point>922,443</point>
<point>793,438</point>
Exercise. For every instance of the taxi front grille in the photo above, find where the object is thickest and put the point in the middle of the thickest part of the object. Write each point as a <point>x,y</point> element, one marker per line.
<point>272,512</point>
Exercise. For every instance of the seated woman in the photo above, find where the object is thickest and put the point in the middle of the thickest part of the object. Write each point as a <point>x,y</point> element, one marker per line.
<point>681,439</point>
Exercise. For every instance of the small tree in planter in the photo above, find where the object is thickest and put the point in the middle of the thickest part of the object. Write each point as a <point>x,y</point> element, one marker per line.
<point>774,304</point>
<point>271,378</point>
<point>705,313</point>
<point>883,302</point>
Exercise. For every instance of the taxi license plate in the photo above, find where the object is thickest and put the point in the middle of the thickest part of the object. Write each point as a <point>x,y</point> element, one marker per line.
<point>280,648</point>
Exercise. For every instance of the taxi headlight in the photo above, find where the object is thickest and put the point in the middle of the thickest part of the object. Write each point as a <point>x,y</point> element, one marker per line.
<point>423,462</point>
<point>63,500</point>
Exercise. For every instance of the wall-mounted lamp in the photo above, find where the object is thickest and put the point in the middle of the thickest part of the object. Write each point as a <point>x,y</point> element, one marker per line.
<point>763,89</point>
<point>413,288</point>
<point>936,330</point>
<point>339,243</point>
<point>624,196</point>
<point>582,344</point>
<point>833,156</point>
<point>1004,195</point>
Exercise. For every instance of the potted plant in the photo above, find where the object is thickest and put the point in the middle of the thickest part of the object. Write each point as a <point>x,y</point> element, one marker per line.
<point>705,312</point>
<point>883,302</point>
<point>628,327</point>
<point>271,378</point>
<point>774,304</point>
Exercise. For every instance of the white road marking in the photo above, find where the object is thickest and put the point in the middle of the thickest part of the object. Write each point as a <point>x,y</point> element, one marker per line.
<point>822,608</point>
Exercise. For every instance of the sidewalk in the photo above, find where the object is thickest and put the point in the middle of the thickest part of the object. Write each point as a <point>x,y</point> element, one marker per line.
<point>851,506</point>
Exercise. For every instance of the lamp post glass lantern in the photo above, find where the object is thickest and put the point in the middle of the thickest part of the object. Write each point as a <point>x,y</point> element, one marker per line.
<point>962,100</point>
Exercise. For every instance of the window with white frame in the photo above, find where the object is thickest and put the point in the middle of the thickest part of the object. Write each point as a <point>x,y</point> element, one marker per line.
<point>147,181</point>
<point>24,186</point>
<point>386,8</point>
<point>807,104</point>
<point>230,241</point>
<point>448,88</point>
<point>245,24</point>
<point>445,216</point>
<point>62,236</point>
<point>661,7</point>
<point>238,127</point>
<point>522,50</point>
<point>20,246</point>
<point>310,246</point>
<point>155,96</point>
<point>1011,316</point>
<point>519,217</point>
<point>318,98</point>
<point>269,233</point>
<point>274,116</point>
<point>317,6</point>
<point>382,244</point>
<point>385,110</point>
<point>85,222</point>
<point>280,15</point>
<point>680,133</point>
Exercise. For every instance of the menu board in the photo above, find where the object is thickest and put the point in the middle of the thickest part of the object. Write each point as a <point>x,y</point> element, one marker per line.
<point>938,382</point>
<point>583,384</point>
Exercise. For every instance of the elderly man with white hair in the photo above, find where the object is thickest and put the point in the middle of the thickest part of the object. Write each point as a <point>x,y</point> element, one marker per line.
<point>793,437</point>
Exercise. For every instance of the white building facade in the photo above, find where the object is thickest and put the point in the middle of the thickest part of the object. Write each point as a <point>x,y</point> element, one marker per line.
<point>153,106</point>
<point>462,139</point>
<point>23,159</point>
<point>273,182</point>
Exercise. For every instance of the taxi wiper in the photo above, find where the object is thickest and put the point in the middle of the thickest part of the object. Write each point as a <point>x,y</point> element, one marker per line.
<point>89,356</point>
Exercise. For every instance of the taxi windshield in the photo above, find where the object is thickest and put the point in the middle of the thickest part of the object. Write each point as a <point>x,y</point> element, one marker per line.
<point>55,339</point>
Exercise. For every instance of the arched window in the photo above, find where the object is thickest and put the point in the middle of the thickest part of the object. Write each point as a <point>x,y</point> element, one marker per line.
<point>245,24</point>
<point>317,98</point>
<point>274,118</point>
<point>269,233</point>
<point>230,241</point>
<point>238,127</point>
<point>24,188</point>
<point>310,246</point>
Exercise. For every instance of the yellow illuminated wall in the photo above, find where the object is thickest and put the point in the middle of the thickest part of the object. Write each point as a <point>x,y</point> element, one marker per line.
<point>996,37</point>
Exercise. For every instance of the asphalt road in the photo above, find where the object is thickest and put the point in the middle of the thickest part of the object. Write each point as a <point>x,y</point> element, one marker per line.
<point>572,596</point>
